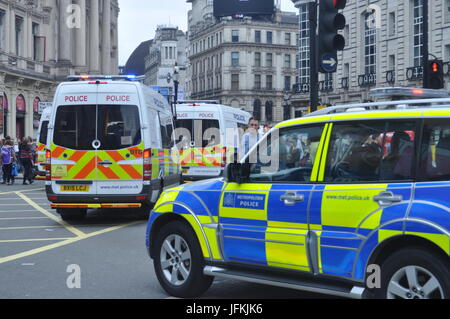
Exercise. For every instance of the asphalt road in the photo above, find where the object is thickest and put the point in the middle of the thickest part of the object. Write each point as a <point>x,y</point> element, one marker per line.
<point>38,251</point>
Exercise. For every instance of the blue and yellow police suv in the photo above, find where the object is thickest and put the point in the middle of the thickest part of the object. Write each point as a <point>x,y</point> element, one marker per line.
<point>350,201</point>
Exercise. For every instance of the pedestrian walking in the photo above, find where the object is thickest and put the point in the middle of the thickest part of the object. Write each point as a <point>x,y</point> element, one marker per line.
<point>26,159</point>
<point>250,138</point>
<point>7,159</point>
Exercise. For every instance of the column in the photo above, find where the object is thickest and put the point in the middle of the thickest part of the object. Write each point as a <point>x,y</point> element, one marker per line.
<point>12,31</point>
<point>106,37</point>
<point>94,38</point>
<point>80,36</point>
<point>65,39</point>
<point>28,35</point>
<point>50,34</point>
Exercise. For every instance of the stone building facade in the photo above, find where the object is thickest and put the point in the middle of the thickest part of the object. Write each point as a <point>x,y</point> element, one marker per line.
<point>384,49</point>
<point>248,63</point>
<point>44,41</point>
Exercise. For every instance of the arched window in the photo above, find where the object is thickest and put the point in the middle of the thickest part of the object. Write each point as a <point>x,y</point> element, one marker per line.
<point>269,111</point>
<point>36,102</point>
<point>257,109</point>
<point>21,106</point>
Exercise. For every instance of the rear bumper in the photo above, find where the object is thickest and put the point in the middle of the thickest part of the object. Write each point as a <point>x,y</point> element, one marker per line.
<point>143,198</point>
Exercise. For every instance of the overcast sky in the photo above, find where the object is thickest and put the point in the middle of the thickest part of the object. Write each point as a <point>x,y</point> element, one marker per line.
<point>138,20</point>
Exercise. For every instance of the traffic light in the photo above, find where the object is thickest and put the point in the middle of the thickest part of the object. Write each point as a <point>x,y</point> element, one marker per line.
<point>435,75</point>
<point>330,22</point>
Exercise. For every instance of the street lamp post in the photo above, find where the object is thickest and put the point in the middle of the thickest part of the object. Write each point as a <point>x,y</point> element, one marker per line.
<point>176,82</point>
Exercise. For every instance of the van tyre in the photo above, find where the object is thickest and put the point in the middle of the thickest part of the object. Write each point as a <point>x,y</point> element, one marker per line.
<point>179,262</point>
<point>414,274</point>
<point>72,214</point>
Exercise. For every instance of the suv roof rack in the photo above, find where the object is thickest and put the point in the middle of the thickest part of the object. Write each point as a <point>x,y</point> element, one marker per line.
<point>389,105</point>
<point>76,78</point>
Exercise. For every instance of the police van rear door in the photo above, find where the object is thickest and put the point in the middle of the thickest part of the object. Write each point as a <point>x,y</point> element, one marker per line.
<point>120,143</point>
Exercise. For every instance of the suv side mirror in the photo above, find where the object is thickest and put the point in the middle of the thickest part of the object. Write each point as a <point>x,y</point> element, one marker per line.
<point>237,173</point>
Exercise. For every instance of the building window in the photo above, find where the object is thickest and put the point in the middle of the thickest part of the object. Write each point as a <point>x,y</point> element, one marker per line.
<point>235,36</point>
<point>418,32</point>
<point>257,109</point>
<point>235,82</point>
<point>269,37</point>
<point>287,83</point>
<point>287,61</point>
<point>269,60</point>
<point>392,25</point>
<point>287,38</point>
<point>257,59</point>
<point>258,36</point>
<point>269,82</point>
<point>303,39</point>
<point>370,44</point>
<point>234,58</point>
<point>269,111</point>
<point>258,81</point>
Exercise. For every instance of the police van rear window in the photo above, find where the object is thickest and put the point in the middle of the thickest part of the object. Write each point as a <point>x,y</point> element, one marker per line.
<point>114,126</point>
<point>202,133</point>
<point>43,133</point>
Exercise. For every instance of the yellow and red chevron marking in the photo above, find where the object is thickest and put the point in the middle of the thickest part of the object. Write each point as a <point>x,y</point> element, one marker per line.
<point>206,157</point>
<point>86,167</point>
<point>40,151</point>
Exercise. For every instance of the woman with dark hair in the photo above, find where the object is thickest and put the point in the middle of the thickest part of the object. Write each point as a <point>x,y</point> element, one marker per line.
<point>26,159</point>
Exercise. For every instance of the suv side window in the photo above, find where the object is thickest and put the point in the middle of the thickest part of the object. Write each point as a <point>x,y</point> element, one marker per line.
<point>434,161</point>
<point>286,155</point>
<point>372,151</point>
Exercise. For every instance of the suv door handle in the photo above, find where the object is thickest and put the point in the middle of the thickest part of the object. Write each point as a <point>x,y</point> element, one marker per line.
<point>291,198</point>
<point>387,199</point>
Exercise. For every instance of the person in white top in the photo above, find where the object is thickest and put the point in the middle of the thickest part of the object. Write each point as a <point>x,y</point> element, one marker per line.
<point>250,138</point>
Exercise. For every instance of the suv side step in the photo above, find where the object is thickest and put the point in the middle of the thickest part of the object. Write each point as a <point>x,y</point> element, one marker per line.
<point>355,292</point>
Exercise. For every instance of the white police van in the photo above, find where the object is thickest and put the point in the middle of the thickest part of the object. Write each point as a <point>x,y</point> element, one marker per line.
<point>109,145</point>
<point>208,135</point>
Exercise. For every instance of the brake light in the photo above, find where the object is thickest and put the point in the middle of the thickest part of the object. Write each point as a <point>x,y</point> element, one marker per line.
<point>48,165</point>
<point>224,157</point>
<point>147,165</point>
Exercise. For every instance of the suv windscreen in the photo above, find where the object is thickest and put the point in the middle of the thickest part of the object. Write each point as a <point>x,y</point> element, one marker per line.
<point>118,126</point>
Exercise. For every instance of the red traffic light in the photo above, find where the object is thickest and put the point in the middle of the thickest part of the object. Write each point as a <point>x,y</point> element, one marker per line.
<point>435,67</point>
<point>339,4</point>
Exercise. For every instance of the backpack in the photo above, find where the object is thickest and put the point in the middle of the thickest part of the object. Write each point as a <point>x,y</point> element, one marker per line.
<point>6,155</point>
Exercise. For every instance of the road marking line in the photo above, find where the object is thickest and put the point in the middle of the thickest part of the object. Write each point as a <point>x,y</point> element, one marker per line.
<point>31,240</point>
<point>29,227</point>
<point>21,218</point>
<point>51,216</point>
<point>23,191</point>
<point>18,211</point>
<point>62,243</point>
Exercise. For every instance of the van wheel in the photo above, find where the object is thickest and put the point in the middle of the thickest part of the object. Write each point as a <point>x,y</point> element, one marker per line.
<point>414,274</point>
<point>72,214</point>
<point>179,261</point>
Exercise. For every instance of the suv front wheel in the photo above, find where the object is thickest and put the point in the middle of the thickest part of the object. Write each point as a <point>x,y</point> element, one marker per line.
<point>414,274</point>
<point>179,262</point>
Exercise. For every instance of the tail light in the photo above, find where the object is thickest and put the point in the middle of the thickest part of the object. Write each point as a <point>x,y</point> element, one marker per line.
<point>224,157</point>
<point>147,165</point>
<point>48,165</point>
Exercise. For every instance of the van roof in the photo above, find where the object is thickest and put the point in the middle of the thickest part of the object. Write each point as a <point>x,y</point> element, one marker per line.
<point>210,107</point>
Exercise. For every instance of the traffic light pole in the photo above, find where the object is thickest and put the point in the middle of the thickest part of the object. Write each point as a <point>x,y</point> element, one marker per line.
<point>425,49</point>
<point>313,70</point>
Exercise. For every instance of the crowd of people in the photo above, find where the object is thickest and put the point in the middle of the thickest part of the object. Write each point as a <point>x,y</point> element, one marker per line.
<point>15,158</point>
